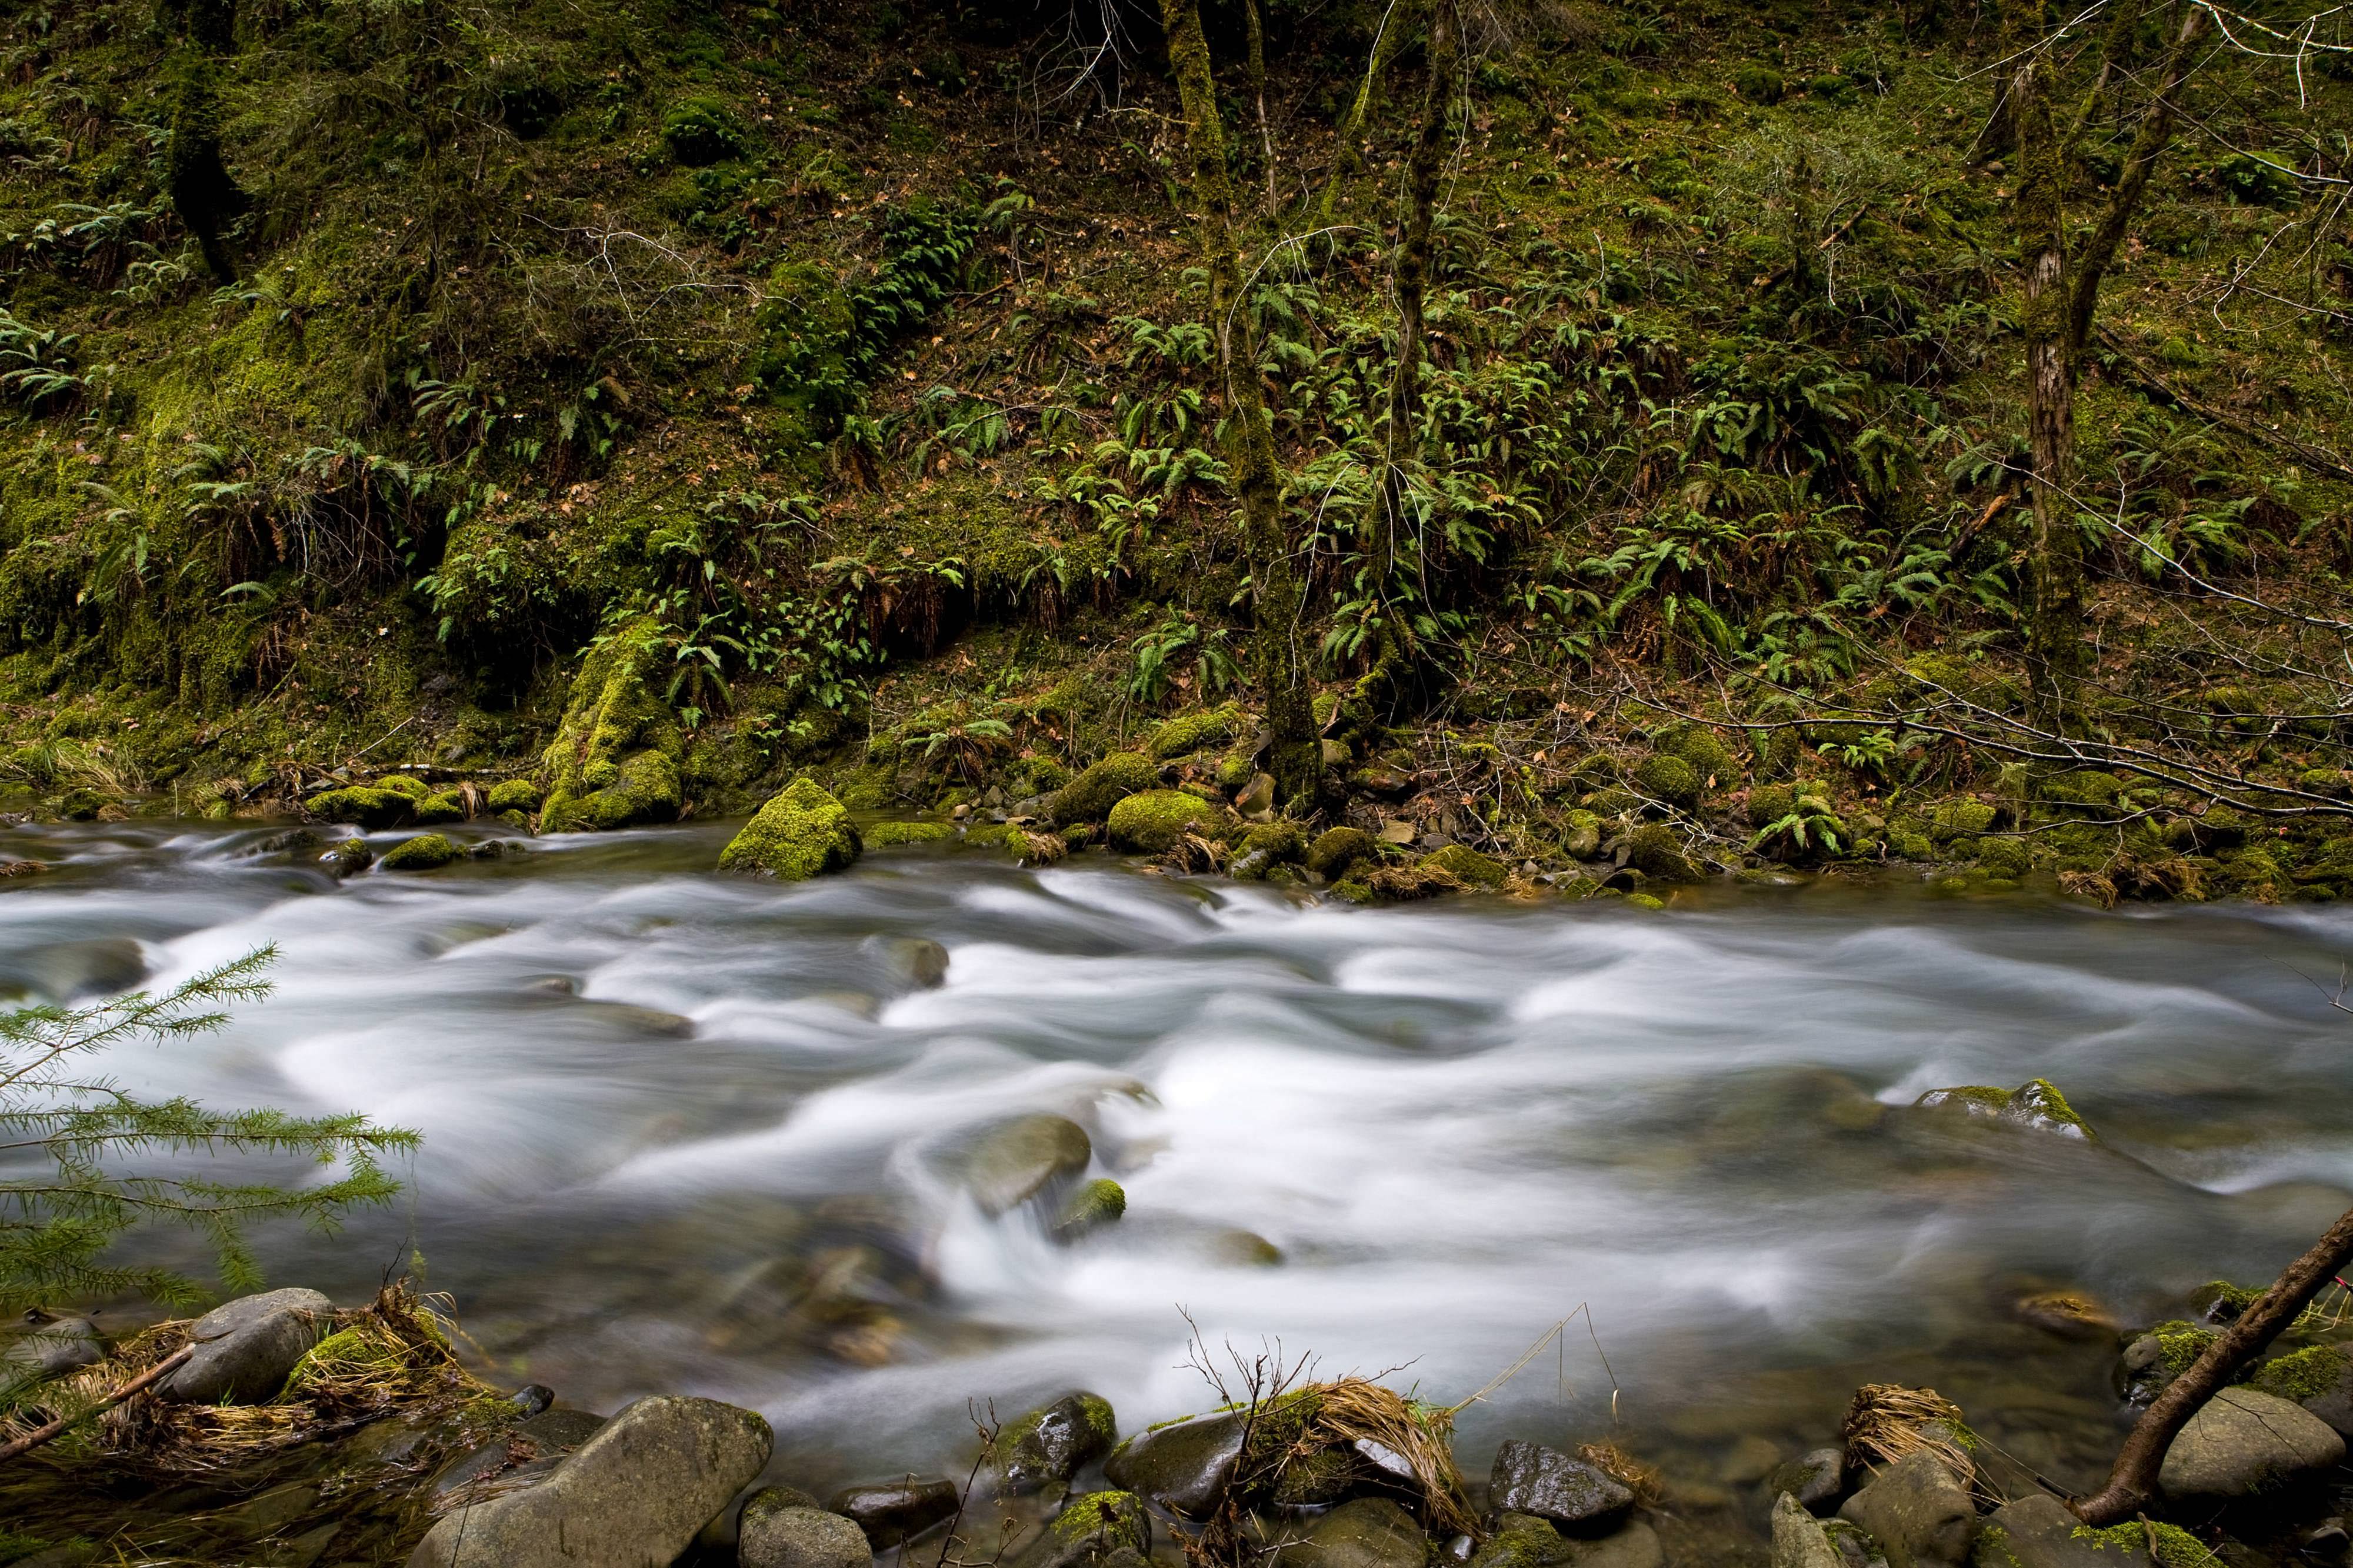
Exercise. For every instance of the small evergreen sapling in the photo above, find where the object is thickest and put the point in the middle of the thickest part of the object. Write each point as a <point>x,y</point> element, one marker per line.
<point>65,1199</point>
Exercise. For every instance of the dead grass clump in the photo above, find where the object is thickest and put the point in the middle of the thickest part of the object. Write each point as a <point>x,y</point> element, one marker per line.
<point>1888,1422</point>
<point>1352,1410</point>
<point>1401,884</point>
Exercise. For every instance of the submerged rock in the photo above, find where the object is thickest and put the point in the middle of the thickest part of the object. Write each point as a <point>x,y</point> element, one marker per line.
<point>2035,1105</point>
<point>246,1348</point>
<point>1185,1466</point>
<point>892,1511</point>
<point>1918,1511</point>
<point>802,832</point>
<point>1099,1202</point>
<point>1047,1445</point>
<point>2038,1531</point>
<point>2243,1441</point>
<point>1530,1478</point>
<point>1101,1527</point>
<point>1016,1160</point>
<point>636,1492</point>
<point>1370,1532</point>
<point>773,1534</point>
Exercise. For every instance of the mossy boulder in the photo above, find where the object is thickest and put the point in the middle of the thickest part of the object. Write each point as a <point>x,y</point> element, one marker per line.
<point>1962,818</point>
<point>1097,1531</point>
<point>1580,835</point>
<point>1047,1445</point>
<point>426,852</point>
<point>1769,804</point>
<point>364,806</point>
<point>513,795</point>
<point>1152,822</point>
<point>438,807</point>
<point>2035,1105</point>
<point>1710,758</point>
<point>614,759</point>
<point>2084,787</point>
<point>883,835</point>
<point>1668,779</point>
<point>408,784</point>
<point>1467,866</point>
<point>2002,857</point>
<point>801,833</point>
<point>1190,732</point>
<point>1337,850</point>
<point>1655,851</point>
<point>1091,796</point>
<point>1268,845</point>
<point>1093,1205</point>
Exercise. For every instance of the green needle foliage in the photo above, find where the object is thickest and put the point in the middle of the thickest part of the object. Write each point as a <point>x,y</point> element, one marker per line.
<point>65,1199</point>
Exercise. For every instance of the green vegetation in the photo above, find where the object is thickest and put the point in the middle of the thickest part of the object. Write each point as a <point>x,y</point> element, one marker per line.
<point>66,1219</point>
<point>1647,444</point>
<point>802,833</point>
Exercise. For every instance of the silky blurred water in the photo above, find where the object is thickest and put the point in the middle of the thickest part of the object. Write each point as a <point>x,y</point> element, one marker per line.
<point>694,1134</point>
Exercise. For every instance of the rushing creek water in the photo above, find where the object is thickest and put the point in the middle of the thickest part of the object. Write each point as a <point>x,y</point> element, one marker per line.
<point>691,1134</point>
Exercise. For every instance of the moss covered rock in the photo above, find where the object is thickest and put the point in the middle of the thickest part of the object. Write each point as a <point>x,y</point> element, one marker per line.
<point>1962,818</point>
<point>1190,732</point>
<point>2035,1105</point>
<point>1655,851</point>
<point>1091,796</point>
<point>408,784</point>
<point>1094,1205</point>
<point>883,835</point>
<point>1268,845</point>
<point>1580,835</point>
<point>1048,1445</point>
<point>614,759</point>
<point>1710,758</point>
<point>1337,850</point>
<point>426,852</point>
<point>362,805</point>
<point>1769,803</point>
<point>1467,866</point>
<point>1152,821</point>
<point>513,794</point>
<point>803,832</point>
<point>1668,779</point>
<point>438,807</point>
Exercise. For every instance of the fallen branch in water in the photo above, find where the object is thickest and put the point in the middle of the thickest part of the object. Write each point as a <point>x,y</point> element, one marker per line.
<point>2132,1484</point>
<point>63,1424</point>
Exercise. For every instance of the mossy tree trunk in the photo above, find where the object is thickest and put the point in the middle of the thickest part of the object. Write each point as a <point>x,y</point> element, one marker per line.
<point>1385,509</point>
<point>2061,290</point>
<point>1254,29</point>
<point>1396,27</point>
<point>1296,758</point>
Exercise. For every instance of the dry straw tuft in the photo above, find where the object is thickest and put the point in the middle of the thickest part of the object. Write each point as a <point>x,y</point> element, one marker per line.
<point>1888,1422</point>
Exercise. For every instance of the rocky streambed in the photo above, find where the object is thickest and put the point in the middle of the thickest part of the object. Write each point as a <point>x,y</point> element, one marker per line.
<point>937,1137</point>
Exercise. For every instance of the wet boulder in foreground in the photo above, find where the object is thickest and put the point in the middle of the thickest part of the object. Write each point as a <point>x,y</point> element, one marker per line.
<point>1531,1478</point>
<point>1370,1532</point>
<point>774,1534</point>
<point>1799,1539</point>
<point>802,832</point>
<point>1101,1530</point>
<point>1184,1466</point>
<point>1047,1445</point>
<point>892,1511</point>
<point>635,1493</point>
<point>2244,1441</point>
<point>246,1348</point>
<point>1918,1511</point>
<point>2038,1531</point>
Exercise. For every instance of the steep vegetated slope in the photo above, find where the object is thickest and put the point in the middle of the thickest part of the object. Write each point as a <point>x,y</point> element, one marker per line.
<point>652,400</point>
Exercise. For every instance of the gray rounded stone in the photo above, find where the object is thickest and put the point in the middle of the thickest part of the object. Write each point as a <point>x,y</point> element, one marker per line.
<point>1529,1477</point>
<point>2243,1441</point>
<point>1815,1479</point>
<point>892,1511</point>
<point>51,1348</point>
<point>1799,1539</point>
<point>245,1348</point>
<point>632,1496</point>
<point>1184,1466</point>
<point>1016,1160</point>
<point>1370,1532</point>
<point>797,1537</point>
<point>1919,1513</point>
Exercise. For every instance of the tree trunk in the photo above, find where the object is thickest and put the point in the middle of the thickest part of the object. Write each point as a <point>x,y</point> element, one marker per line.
<point>2054,638</point>
<point>2132,1484</point>
<point>1394,29</point>
<point>2155,130</point>
<point>1384,509</point>
<point>1296,758</point>
<point>1256,29</point>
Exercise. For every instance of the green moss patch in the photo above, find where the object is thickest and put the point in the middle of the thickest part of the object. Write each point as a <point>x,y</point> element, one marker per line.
<point>803,832</point>
<point>426,852</point>
<point>1152,822</point>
